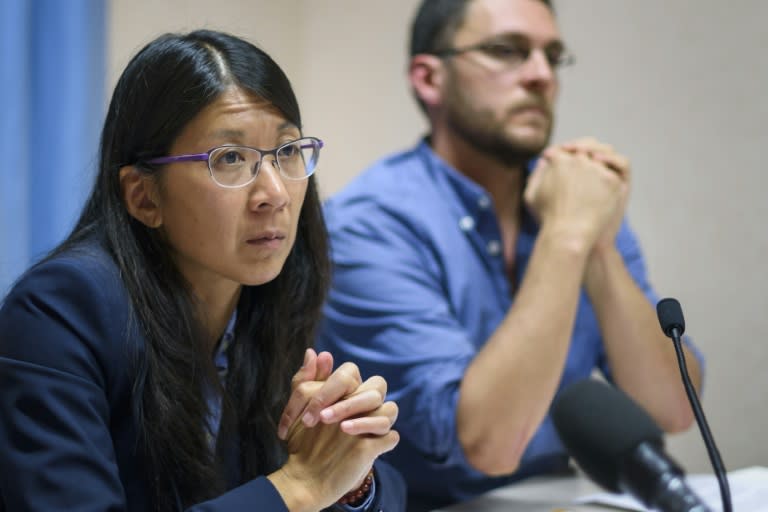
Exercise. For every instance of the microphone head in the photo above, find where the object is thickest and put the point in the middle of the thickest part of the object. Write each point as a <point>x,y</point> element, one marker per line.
<point>600,426</point>
<point>670,316</point>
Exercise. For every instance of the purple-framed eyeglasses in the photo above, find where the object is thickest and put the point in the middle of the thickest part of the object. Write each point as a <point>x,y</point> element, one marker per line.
<point>236,166</point>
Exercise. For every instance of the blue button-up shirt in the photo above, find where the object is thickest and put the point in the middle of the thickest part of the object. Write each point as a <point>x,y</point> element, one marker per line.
<point>419,285</point>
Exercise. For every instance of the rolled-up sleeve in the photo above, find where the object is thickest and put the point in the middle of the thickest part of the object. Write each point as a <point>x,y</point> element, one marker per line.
<point>387,312</point>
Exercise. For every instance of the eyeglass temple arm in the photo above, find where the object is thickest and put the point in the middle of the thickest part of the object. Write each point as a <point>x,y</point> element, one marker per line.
<point>181,158</point>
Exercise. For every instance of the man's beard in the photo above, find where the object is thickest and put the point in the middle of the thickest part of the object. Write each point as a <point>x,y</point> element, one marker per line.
<point>481,130</point>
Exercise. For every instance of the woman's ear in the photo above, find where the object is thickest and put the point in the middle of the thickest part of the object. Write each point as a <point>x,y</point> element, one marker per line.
<point>140,196</point>
<point>425,72</point>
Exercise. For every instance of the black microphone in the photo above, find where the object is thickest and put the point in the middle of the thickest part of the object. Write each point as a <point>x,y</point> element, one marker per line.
<point>671,317</point>
<point>673,324</point>
<point>619,446</point>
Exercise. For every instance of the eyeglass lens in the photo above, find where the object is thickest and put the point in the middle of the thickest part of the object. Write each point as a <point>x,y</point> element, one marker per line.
<point>514,55</point>
<point>232,166</point>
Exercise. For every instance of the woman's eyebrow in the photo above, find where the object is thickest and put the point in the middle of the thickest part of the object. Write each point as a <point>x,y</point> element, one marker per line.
<point>287,126</point>
<point>237,136</point>
<point>227,133</point>
<point>230,133</point>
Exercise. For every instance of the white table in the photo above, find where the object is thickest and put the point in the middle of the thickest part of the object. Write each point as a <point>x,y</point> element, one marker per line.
<point>538,494</point>
<point>749,492</point>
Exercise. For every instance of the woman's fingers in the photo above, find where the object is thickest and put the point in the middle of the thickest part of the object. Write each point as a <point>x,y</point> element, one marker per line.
<point>324,366</point>
<point>308,369</point>
<point>315,367</point>
<point>387,442</point>
<point>344,381</point>
<point>341,398</point>
<point>296,403</point>
<point>367,397</point>
<point>377,423</point>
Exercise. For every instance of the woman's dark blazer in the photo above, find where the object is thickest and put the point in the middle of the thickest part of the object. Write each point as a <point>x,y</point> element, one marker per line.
<point>68,437</point>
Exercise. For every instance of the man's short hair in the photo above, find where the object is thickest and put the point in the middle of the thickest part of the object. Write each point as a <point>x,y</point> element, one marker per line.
<point>434,26</point>
<point>436,23</point>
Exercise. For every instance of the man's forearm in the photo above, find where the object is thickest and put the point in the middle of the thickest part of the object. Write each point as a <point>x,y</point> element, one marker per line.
<point>507,389</point>
<point>641,357</point>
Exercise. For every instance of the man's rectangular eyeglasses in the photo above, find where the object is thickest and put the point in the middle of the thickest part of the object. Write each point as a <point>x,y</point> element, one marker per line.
<point>236,166</point>
<point>512,55</point>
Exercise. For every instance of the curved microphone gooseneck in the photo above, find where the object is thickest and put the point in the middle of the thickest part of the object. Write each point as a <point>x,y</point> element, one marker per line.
<point>673,324</point>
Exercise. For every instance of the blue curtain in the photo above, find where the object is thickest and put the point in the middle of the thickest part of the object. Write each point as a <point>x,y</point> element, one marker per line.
<point>52,102</point>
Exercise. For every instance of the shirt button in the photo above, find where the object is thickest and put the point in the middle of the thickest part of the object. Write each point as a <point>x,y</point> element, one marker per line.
<point>467,223</point>
<point>484,202</point>
<point>494,247</point>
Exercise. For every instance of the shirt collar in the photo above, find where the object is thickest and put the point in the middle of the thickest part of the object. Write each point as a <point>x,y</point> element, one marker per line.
<point>220,356</point>
<point>473,197</point>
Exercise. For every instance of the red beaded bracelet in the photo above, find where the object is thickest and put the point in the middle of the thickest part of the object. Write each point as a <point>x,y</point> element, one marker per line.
<point>356,497</point>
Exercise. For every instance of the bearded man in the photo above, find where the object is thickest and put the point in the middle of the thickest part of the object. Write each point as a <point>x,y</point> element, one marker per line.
<point>484,270</point>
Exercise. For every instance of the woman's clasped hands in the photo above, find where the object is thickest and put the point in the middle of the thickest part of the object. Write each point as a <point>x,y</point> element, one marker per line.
<point>335,426</point>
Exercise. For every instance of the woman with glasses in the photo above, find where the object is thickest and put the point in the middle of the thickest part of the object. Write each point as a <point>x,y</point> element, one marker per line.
<point>150,361</point>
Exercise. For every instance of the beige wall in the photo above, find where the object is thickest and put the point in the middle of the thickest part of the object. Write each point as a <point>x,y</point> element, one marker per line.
<point>345,58</point>
<point>679,86</point>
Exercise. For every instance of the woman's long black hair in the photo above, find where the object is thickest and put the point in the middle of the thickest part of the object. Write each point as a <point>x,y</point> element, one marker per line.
<point>163,87</point>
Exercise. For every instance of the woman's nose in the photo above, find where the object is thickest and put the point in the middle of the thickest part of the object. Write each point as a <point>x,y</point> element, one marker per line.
<point>268,189</point>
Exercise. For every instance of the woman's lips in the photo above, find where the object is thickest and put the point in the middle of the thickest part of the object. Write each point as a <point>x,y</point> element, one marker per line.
<point>270,240</point>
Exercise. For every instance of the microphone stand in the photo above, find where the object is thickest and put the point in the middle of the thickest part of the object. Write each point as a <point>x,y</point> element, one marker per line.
<point>675,331</point>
